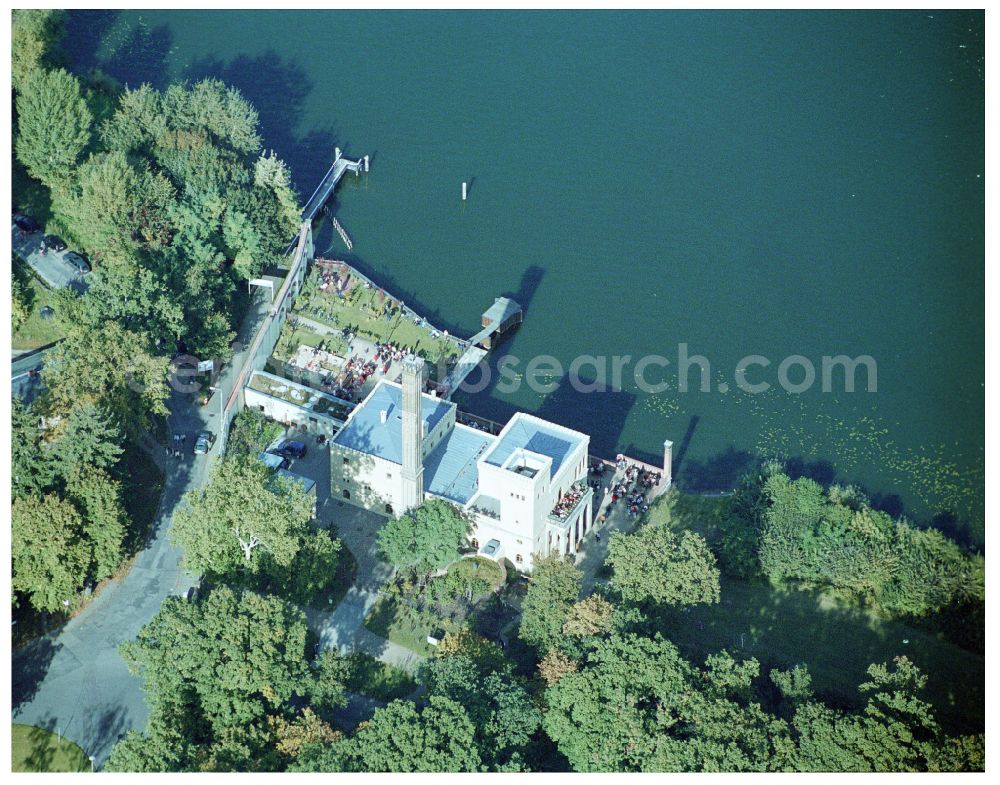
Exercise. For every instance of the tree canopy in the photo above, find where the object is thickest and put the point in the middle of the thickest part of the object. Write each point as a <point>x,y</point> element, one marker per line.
<point>402,738</point>
<point>655,565</point>
<point>53,124</point>
<point>426,538</point>
<point>242,517</point>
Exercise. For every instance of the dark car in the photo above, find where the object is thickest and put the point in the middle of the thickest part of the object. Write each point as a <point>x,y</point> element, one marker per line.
<point>291,450</point>
<point>26,224</point>
<point>204,442</point>
<point>78,262</point>
<point>53,243</point>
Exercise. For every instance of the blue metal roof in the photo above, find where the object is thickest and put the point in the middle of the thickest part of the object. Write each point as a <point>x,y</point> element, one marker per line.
<point>366,432</point>
<point>450,470</point>
<point>535,437</point>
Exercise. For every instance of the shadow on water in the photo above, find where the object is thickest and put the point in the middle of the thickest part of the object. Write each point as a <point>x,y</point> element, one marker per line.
<point>277,87</point>
<point>718,473</point>
<point>85,32</point>
<point>680,453</point>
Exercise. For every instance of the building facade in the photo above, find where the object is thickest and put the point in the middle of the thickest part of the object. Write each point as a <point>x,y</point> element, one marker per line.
<point>525,489</point>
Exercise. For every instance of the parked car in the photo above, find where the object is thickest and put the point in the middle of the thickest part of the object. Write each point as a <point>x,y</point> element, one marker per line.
<point>204,442</point>
<point>291,450</point>
<point>26,223</point>
<point>81,265</point>
<point>491,549</point>
<point>53,243</point>
<point>273,461</point>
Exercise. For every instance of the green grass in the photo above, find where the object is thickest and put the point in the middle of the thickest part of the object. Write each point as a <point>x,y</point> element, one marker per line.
<point>394,618</point>
<point>352,312</point>
<point>38,750</point>
<point>406,626</point>
<point>484,569</point>
<point>783,627</point>
<point>36,331</point>
<point>377,679</point>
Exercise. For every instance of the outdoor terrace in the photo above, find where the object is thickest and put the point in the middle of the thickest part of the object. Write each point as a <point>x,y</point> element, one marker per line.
<point>577,494</point>
<point>299,395</point>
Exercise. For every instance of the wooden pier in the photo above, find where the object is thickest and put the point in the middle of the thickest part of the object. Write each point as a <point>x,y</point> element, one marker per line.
<point>343,234</point>
<point>325,188</point>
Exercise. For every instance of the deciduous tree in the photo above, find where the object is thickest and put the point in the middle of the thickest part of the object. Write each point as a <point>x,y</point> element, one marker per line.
<point>426,538</point>
<point>655,565</point>
<point>554,588</point>
<point>244,519</point>
<point>402,738</point>
<point>53,126</point>
<point>50,557</point>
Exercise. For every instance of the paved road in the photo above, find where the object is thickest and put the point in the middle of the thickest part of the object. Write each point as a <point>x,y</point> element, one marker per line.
<point>73,680</point>
<point>50,266</point>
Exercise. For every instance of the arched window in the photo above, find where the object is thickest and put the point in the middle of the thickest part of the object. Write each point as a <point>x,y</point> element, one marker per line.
<point>347,494</point>
<point>388,509</point>
<point>518,559</point>
<point>475,543</point>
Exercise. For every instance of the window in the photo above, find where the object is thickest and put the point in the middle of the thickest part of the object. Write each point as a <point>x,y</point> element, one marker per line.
<point>388,509</point>
<point>388,475</point>
<point>475,543</point>
<point>518,559</point>
<point>347,494</point>
<point>346,461</point>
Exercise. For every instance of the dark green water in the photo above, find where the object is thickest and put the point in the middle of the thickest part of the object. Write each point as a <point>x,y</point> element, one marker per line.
<point>745,183</point>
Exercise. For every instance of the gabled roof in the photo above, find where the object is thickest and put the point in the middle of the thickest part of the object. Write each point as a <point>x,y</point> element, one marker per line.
<point>365,431</point>
<point>450,470</point>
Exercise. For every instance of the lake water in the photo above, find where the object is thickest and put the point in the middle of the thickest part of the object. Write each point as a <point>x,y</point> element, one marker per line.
<point>767,184</point>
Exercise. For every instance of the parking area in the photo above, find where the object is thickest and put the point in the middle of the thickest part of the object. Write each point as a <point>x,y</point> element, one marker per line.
<point>316,466</point>
<point>51,266</point>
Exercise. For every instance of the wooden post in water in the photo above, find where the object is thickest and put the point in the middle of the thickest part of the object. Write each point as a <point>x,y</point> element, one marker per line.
<point>465,191</point>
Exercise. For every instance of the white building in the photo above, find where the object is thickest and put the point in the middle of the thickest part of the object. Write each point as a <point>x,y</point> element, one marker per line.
<point>525,487</point>
<point>295,404</point>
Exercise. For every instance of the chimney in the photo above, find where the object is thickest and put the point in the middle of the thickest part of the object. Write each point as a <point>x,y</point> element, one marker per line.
<point>413,434</point>
<point>668,465</point>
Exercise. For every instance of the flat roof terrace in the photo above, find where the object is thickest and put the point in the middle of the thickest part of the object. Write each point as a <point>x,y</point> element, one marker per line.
<point>525,432</point>
<point>300,395</point>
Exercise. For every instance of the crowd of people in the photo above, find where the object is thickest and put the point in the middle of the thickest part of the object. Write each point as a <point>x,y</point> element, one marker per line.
<point>568,501</point>
<point>632,487</point>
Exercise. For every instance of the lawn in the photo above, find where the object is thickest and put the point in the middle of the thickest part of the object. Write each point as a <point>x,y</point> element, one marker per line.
<point>400,623</point>
<point>360,312</point>
<point>407,614</point>
<point>37,750</point>
<point>783,627</point>
<point>36,331</point>
<point>377,679</point>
